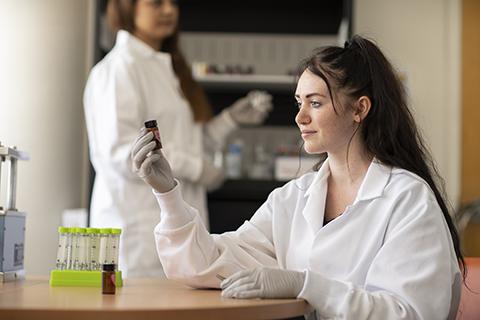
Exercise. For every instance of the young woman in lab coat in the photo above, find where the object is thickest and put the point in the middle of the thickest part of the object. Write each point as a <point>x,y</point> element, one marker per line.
<point>145,77</point>
<point>367,236</point>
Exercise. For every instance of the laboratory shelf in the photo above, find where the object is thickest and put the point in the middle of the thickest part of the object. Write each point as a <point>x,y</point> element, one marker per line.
<point>246,81</point>
<point>237,201</point>
<point>245,189</point>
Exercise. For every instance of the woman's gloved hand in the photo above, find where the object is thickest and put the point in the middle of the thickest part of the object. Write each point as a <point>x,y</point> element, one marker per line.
<point>152,168</point>
<point>212,177</point>
<point>263,283</point>
<point>252,109</point>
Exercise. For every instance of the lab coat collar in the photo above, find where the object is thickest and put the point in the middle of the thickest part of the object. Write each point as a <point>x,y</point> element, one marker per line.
<point>140,47</point>
<point>375,181</point>
<point>314,209</point>
<point>373,184</point>
<point>320,178</point>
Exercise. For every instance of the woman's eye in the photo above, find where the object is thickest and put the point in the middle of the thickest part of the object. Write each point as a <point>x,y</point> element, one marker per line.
<point>298,104</point>
<point>315,104</point>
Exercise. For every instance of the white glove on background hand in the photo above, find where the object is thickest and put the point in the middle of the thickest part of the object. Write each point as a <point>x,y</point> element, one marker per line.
<point>252,109</point>
<point>263,283</point>
<point>212,177</point>
<point>152,168</point>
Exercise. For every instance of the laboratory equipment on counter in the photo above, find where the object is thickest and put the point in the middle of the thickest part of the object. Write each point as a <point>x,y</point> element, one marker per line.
<point>93,253</point>
<point>108,279</point>
<point>88,250</point>
<point>80,249</point>
<point>104,248</point>
<point>62,251</point>
<point>113,246</point>
<point>234,160</point>
<point>12,222</point>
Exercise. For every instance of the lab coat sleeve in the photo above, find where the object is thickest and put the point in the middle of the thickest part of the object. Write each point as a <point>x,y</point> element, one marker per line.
<point>191,255</point>
<point>113,110</point>
<point>217,130</point>
<point>409,275</point>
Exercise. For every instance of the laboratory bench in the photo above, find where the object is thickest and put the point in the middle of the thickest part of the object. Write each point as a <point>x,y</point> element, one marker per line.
<point>34,298</point>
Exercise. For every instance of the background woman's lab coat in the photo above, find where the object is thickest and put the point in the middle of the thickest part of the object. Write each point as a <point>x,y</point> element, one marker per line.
<point>133,84</point>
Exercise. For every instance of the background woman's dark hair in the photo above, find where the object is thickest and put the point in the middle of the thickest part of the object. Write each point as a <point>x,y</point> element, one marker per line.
<point>389,130</point>
<point>120,16</point>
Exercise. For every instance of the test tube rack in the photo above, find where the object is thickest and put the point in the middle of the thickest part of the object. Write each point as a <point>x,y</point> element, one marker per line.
<point>12,222</point>
<point>74,278</point>
<point>79,261</point>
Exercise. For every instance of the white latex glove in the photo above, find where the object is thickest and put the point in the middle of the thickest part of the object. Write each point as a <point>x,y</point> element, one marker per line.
<point>263,283</point>
<point>151,167</point>
<point>252,109</point>
<point>212,177</point>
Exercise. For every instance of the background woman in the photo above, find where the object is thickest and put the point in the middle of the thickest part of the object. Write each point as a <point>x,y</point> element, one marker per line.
<point>146,77</point>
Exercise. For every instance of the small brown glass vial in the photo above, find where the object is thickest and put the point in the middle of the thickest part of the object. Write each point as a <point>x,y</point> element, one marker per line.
<point>108,279</point>
<point>151,125</point>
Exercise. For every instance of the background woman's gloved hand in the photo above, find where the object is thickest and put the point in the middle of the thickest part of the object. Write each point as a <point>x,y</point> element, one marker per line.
<point>212,177</point>
<point>263,283</point>
<point>252,109</point>
<point>152,168</point>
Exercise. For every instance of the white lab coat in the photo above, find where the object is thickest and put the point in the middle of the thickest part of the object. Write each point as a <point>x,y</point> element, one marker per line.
<point>132,84</point>
<point>388,256</point>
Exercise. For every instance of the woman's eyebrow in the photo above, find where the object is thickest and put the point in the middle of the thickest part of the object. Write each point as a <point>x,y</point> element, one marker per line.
<point>311,95</point>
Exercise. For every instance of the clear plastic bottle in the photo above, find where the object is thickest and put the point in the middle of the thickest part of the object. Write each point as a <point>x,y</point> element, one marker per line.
<point>113,246</point>
<point>262,165</point>
<point>93,252</point>
<point>103,251</point>
<point>234,160</point>
<point>62,248</point>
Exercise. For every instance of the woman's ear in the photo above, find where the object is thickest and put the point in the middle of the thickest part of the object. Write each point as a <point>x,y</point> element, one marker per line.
<point>363,107</point>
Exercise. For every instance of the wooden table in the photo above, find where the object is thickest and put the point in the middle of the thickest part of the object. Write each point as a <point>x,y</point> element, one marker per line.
<point>34,298</point>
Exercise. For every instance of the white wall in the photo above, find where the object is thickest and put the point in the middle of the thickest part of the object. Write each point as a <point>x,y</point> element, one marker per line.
<point>44,54</point>
<point>424,38</point>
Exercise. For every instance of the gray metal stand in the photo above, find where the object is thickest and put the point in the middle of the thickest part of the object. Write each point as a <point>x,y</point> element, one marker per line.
<point>12,222</point>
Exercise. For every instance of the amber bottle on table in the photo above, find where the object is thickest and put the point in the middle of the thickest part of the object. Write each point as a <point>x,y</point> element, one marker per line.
<point>108,279</point>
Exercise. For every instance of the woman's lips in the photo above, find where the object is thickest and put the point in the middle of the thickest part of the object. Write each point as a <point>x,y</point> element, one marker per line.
<point>307,133</point>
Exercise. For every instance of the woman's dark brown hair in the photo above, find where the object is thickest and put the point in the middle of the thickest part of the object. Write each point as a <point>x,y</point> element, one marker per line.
<point>120,15</point>
<point>389,130</point>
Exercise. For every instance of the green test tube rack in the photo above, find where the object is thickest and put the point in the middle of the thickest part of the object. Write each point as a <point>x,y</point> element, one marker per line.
<point>74,278</point>
<point>82,278</point>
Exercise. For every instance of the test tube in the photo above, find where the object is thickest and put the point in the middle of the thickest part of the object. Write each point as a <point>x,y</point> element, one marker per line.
<point>113,246</point>
<point>80,247</point>
<point>74,250</point>
<point>92,249</point>
<point>70,237</point>
<point>62,248</point>
<point>103,255</point>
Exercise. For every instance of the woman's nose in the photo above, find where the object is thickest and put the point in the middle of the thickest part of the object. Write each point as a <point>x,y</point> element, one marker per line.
<point>301,117</point>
